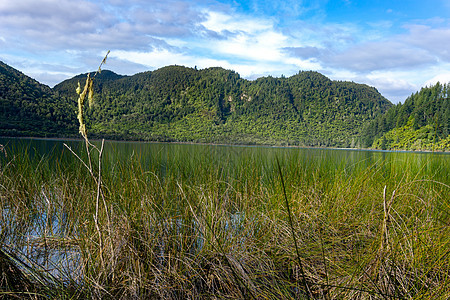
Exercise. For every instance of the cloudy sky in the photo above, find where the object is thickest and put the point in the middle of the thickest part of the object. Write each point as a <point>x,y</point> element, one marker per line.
<point>397,46</point>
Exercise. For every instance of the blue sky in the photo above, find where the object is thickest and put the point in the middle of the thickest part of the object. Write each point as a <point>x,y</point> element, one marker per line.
<point>396,46</point>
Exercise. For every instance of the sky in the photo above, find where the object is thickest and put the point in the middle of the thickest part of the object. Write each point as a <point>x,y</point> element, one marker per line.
<point>397,46</point>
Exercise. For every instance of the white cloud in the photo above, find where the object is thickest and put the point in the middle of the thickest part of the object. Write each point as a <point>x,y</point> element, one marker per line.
<point>394,89</point>
<point>166,19</point>
<point>259,47</point>
<point>381,55</point>
<point>243,37</point>
<point>250,46</point>
<point>442,78</point>
<point>252,42</point>
<point>51,37</point>
<point>153,59</point>
<point>219,22</point>
<point>434,40</point>
<point>51,15</point>
<point>50,24</point>
<point>396,86</point>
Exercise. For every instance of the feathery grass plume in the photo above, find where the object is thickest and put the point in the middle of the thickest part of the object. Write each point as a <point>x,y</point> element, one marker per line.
<point>81,100</point>
<point>99,70</point>
<point>3,150</point>
<point>89,91</point>
<point>95,174</point>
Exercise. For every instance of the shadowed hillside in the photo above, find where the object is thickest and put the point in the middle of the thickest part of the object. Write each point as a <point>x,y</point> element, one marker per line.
<point>215,105</point>
<point>28,108</point>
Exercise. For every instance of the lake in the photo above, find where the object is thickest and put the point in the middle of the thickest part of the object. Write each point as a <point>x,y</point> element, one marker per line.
<point>169,156</point>
<point>233,221</point>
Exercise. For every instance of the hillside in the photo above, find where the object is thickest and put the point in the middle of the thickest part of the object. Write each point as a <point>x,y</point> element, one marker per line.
<point>28,108</point>
<point>183,104</point>
<point>215,105</point>
<point>421,123</point>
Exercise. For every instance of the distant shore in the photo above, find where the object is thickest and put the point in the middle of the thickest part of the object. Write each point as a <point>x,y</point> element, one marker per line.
<point>219,144</point>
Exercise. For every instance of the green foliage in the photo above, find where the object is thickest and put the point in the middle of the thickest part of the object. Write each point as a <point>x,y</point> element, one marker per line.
<point>406,138</point>
<point>215,105</point>
<point>421,123</point>
<point>204,222</point>
<point>183,104</point>
<point>28,108</point>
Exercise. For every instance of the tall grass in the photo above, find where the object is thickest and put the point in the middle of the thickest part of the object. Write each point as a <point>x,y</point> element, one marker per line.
<point>212,223</point>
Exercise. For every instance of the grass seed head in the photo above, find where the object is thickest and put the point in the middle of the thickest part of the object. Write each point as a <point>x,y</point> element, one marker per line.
<point>91,92</point>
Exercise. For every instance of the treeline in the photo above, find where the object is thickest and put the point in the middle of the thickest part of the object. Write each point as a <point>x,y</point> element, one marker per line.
<point>28,108</point>
<point>420,123</point>
<point>215,105</point>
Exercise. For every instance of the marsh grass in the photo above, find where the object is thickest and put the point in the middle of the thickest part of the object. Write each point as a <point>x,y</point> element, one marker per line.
<point>208,223</point>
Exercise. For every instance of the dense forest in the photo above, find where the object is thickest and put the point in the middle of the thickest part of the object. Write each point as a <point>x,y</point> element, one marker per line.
<point>215,105</point>
<point>420,123</point>
<point>28,108</point>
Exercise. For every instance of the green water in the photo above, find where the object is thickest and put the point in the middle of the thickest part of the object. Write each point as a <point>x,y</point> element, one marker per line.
<point>183,202</point>
<point>184,159</point>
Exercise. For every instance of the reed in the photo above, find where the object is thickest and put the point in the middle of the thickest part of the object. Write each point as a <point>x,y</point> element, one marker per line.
<point>210,223</point>
<point>202,225</point>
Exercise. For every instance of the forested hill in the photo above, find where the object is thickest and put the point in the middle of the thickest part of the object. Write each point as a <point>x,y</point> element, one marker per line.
<point>184,104</point>
<point>215,105</point>
<point>422,122</point>
<point>28,108</point>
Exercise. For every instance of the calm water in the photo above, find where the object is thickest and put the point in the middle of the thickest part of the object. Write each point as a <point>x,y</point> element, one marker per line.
<point>229,159</point>
<point>195,162</point>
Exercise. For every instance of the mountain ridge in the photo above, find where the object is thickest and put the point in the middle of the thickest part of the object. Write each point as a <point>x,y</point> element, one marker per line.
<point>422,122</point>
<point>29,108</point>
<point>305,109</point>
<point>214,105</point>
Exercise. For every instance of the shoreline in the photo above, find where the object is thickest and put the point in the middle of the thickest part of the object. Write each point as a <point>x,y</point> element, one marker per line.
<point>221,144</point>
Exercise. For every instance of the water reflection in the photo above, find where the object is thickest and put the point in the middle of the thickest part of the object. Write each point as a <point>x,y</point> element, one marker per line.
<point>169,154</point>
<point>39,239</point>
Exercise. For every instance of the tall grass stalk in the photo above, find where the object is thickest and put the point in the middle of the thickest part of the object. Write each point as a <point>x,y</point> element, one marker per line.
<point>291,225</point>
<point>89,92</point>
<point>194,222</point>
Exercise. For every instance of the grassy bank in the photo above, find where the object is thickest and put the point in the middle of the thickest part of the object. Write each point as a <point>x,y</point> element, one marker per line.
<point>214,224</point>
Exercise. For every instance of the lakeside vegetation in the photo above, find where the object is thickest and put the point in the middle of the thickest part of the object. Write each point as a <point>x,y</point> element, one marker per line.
<point>211,105</point>
<point>119,221</point>
<point>194,221</point>
<point>422,122</point>
<point>214,105</point>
